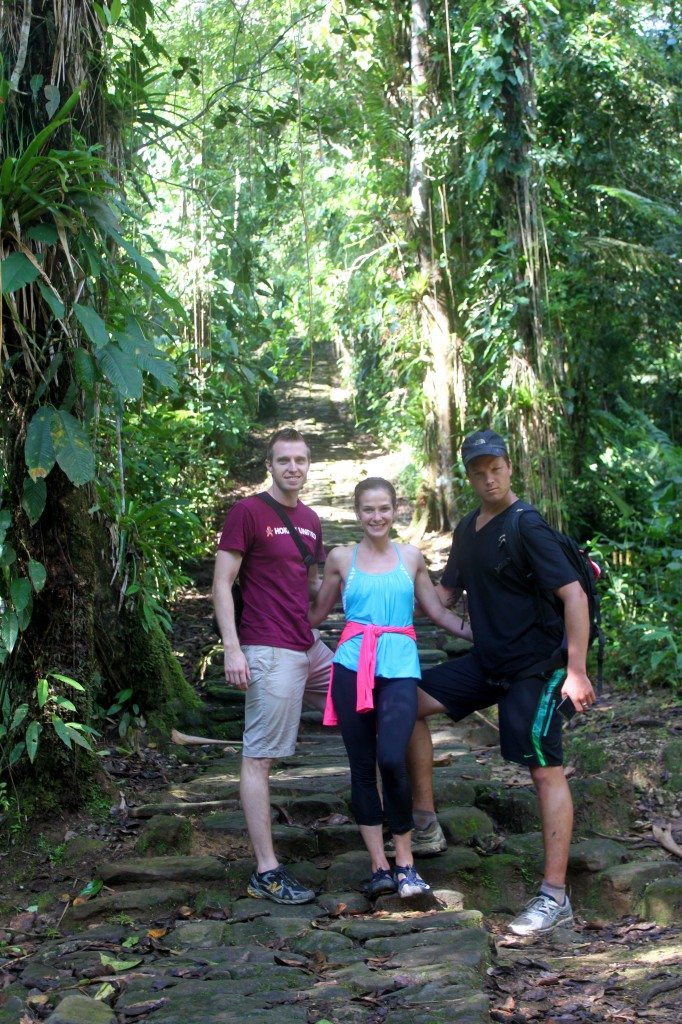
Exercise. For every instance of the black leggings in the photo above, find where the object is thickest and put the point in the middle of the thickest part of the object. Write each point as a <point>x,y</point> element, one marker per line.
<point>379,736</point>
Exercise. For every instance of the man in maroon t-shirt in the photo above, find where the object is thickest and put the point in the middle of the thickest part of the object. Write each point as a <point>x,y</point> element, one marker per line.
<point>276,659</point>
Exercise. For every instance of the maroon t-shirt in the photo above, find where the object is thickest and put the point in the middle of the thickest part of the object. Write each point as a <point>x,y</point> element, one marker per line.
<point>273,577</point>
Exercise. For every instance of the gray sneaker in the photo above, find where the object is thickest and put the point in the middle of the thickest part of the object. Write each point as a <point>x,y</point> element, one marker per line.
<point>541,915</point>
<point>278,886</point>
<point>427,841</point>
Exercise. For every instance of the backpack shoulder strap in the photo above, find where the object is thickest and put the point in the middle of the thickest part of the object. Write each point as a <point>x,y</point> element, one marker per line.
<point>512,538</point>
<point>308,558</point>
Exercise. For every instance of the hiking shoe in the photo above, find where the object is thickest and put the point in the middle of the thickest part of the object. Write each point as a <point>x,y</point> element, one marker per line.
<point>410,882</point>
<point>425,841</point>
<point>541,915</point>
<point>381,883</point>
<point>278,886</point>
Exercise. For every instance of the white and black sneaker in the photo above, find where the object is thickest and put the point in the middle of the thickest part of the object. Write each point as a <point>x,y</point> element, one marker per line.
<point>278,886</point>
<point>542,915</point>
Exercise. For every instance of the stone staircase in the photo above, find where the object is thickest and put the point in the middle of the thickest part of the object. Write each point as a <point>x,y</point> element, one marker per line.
<point>171,936</point>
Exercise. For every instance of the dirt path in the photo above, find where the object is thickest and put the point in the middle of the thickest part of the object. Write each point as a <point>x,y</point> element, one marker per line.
<point>169,936</point>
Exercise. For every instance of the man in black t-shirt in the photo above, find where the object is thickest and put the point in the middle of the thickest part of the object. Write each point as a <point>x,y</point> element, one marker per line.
<point>526,657</point>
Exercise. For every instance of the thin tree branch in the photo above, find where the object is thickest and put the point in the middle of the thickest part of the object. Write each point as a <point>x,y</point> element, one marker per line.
<point>23,47</point>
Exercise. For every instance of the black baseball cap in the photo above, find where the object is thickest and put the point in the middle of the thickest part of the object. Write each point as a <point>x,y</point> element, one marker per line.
<point>482,442</point>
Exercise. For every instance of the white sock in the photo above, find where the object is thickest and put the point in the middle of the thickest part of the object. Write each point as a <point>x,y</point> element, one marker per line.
<point>557,892</point>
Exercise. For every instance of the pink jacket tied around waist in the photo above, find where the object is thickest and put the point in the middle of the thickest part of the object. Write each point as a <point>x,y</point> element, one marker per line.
<point>366,664</point>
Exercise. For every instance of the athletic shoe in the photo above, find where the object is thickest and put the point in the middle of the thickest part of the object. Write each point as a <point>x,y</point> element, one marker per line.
<point>410,882</point>
<point>381,883</point>
<point>542,915</point>
<point>278,886</point>
<point>425,841</point>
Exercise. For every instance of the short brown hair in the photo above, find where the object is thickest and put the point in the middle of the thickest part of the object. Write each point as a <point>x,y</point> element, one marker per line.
<point>285,434</point>
<point>374,483</point>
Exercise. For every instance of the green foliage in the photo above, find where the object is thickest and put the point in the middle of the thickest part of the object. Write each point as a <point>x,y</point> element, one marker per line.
<point>20,735</point>
<point>639,478</point>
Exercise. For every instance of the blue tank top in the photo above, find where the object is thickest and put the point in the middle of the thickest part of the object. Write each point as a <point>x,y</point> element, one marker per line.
<point>383,599</point>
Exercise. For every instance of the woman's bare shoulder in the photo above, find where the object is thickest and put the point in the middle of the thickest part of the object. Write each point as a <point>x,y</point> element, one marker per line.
<point>411,555</point>
<point>340,557</point>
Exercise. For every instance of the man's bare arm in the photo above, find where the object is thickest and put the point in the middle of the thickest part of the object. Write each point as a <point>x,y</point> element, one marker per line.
<point>577,685</point>
<point>328,593</point>
<point>227,565</point>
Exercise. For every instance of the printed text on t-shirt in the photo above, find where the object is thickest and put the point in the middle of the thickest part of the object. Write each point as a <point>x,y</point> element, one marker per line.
<point>277,531</point>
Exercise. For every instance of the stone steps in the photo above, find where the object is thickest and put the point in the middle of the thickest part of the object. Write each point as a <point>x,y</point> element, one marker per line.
<point>202,952</point>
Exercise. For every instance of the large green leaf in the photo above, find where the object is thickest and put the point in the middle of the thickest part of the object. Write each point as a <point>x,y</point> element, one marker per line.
<point>122,371</point>
<point>32,739</point>
<point>55,303</point>
<point>73,452</point>
<point>85,370</point>
<point>20,592</point>
<point>92,324</point>
<point>7,554</point>
<point>146,356</point>
<point>60,728</point>
<point>5,522</point>
<point>33,498</point>
<point>9,629</point>
<point>43,233</point>
<point>42,692</point>
<point>17,271</point>
<point>38,574</point>
<point>18,716</point>
<point>39,450</point>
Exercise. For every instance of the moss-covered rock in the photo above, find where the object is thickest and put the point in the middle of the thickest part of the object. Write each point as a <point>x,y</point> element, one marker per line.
<point>83,848</point>
<point>620,889</point>
<point>672,761</point>
<point>154,675</point>
<point>587,756</point>
<point>461,824</point>
<point>165,833</point>
<point>501,884</point>
<point>605,804</point>
<point>662,901</point>
<point>513,808</point>
<point>451,792</point>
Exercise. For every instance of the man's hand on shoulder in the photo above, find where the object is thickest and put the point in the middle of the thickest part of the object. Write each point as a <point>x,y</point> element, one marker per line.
<point>237,669</point>
<point>578,687</point>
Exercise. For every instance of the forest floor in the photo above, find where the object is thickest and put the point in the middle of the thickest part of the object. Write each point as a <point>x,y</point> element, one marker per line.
<point>67,926</point>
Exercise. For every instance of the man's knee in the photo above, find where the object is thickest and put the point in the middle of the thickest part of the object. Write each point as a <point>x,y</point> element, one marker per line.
<point>427,705</point>
<point>256,765</point>
<point>549,780</point>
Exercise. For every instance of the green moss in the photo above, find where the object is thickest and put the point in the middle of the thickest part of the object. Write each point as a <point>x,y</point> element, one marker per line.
<point>589,758</point>
<point>165,834</point>
<point>155,676</point>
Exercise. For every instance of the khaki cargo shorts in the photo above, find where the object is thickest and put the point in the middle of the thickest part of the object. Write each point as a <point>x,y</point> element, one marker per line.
<point>280,681</point>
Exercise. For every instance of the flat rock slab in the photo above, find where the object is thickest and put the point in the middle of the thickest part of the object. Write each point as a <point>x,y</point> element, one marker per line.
<point>142,899</point>
<point>197,935</point>
<point>218,1002</point>
<point>468,947</point>
<point>163,869</point>
<point>78,1009</point>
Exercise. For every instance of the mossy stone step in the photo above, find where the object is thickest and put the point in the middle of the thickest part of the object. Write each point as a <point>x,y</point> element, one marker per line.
<point>163,869</point>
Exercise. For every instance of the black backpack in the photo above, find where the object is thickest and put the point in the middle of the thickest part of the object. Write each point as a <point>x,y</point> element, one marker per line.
<point>587,571</point>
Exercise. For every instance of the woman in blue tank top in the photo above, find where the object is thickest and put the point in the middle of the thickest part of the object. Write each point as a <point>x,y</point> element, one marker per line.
<point>373,689</point>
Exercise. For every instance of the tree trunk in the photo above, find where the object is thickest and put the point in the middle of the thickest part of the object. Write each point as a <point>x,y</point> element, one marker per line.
<point>53,48</point>
<point>532,424</point>
<point>435,503</point>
